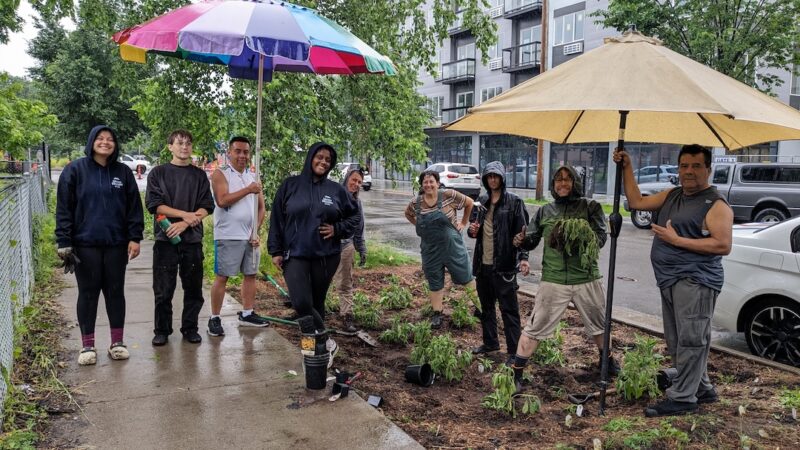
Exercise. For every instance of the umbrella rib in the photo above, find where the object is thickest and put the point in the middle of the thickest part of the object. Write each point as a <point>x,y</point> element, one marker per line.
<point>711,128</point>
<point>574,124</point>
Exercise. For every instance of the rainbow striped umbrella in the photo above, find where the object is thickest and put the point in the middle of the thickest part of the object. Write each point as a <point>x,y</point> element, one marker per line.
<point>254,39</point>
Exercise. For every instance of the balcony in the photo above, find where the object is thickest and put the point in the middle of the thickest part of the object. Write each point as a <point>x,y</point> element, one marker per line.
<point>457,27</point>
<point>517,8</point>
<point>458,71</point>
<point>452,114</point>
<point>522,57</point>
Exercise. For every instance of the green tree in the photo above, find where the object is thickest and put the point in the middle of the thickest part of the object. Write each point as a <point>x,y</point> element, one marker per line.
<point>740,38</point>
<point>22,120</point>
<point>11,22</point>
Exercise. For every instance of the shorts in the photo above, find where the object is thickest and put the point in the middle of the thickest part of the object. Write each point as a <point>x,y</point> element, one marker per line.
<point>552,300</point>
<point>460,272</point>
<point>232,257</point>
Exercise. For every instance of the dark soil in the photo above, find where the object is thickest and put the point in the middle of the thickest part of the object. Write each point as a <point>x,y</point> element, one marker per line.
<point>450,415</point>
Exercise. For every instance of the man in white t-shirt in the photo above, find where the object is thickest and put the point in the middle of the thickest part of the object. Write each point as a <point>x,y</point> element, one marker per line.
<point>235,249</point>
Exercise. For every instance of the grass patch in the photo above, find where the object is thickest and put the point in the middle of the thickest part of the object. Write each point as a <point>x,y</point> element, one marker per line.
<point>380,254</point>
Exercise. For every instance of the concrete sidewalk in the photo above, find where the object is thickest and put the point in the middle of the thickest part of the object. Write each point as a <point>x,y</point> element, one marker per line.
<point>230,392</point>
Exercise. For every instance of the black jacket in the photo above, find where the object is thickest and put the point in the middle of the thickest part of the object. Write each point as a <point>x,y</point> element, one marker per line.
<point>302,204</point>
<point>98,205</point>
<point>508,219</point>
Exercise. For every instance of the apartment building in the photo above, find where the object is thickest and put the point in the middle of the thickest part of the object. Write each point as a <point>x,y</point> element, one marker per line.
<point>464,81</point>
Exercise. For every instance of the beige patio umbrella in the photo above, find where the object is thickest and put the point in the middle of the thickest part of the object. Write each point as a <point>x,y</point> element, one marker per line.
<point>634,88</point>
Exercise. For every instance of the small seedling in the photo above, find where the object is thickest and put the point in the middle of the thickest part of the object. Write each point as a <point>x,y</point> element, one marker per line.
<point>398,332</point>
<point>395,296</point>
<point>462,317</point>
<point>365,312</point>
<point>639,372</point>
<point>549,351</point>
<point>422,337</point>
<point>504,395</point>
<point>485,365</point>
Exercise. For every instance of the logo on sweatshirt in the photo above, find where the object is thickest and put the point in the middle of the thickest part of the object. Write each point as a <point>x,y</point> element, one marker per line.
<point>327,201</point>
<point>116,182</point>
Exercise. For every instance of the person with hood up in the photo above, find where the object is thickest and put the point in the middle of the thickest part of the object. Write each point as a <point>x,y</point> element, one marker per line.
<point>99,224</point>
<point>565,278</point>
<point>310,216</point>
<point>434,213</point>
<point>352,182</point>
<point>501,215</point>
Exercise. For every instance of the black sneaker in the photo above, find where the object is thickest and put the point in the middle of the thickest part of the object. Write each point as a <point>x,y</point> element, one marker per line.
<point>253,320</point>
<point>709,396</point>
<point>511,360</point>
<point>160,339</point>
<point>437,319</point>
<point>484,349</point>
<point>349,325</point>
<point>215,327</point>
<point>670,408</point>
<point>193,337</point>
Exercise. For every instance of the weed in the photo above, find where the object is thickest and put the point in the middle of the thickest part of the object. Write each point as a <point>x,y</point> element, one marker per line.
<point>549,351</point>
<point>395,296</point>
<point>562,446</point>
<point>398,332</point>
<point>332,302</point>
<point>365,312</point>
<point>638,374</point>
<point>726,378</point>
<point>666,434</point>
<point>462,317</point>
<point>504,395</point>
<point>622,424</point>
<point>790,398</point>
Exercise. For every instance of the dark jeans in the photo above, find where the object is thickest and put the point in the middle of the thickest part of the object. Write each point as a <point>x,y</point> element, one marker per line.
<point>492,287</point>
<point>168,261</point>
<point>308,281</point>
<point>101,269</point>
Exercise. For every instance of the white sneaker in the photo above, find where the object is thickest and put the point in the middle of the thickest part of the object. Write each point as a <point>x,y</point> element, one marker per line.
<point>333,349</point>
<point>87,357</point>
<point>118,351</point>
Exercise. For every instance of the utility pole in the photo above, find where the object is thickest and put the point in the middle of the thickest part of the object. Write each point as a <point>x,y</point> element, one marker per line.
<point>542,68</point>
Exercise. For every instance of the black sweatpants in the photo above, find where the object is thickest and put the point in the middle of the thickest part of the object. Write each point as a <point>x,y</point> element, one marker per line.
<point>168,262</point>
<point>308,281</point>
<point>101,269</point>
<point>492,287</point>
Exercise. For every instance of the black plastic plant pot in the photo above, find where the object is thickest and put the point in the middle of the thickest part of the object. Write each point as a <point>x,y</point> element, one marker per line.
<point>420,374</point>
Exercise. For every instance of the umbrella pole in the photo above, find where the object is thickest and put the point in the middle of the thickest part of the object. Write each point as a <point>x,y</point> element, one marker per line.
<point>257,155</point>
<point>615,223</point>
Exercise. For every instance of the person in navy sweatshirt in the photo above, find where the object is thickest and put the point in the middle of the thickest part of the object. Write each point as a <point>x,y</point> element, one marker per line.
<point>310,216</point>
<point>99,224</point>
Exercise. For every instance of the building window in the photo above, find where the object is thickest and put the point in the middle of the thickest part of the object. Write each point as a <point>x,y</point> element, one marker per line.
<point>487,93</point>
<point>568,28</point>
<point>435,106</point>
<point>465,51</point>
<point>496,50</point>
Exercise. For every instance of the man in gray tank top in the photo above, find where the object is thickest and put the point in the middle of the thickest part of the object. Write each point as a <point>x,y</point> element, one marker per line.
<point>693,228</point>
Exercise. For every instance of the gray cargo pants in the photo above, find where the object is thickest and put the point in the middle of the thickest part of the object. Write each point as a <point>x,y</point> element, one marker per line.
<point>687,308</point>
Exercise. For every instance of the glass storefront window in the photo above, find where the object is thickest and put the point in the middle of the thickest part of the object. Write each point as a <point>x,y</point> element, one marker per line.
<point>590,160</point>
<point>517,154</point>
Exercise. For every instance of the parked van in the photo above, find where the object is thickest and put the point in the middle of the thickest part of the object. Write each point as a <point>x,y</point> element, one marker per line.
<point>757,192</point>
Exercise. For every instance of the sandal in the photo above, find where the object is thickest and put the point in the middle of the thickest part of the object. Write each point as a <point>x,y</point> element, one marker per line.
<point>87,357</point>
<point>118,351</point>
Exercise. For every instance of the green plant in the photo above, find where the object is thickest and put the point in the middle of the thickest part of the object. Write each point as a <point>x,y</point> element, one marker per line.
<point>365,312</point>
<point>666,434</point>
<point>485,364</point>
<point>504,395</point>
<point>462,317</point>
<point>332,302</point>
<point>574,236</point>
<point>422,337</point>
<point>383,255</point>
<point>618,424</point>
<point>426,310</point>
<point>441,353</point>
<point>549,353</point>
<point>395,296</point>
<point>790,398</point>
<point>398,332</point>
<point>638,374</point>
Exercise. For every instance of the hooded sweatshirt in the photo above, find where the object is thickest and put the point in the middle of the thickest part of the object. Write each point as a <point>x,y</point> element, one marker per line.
<point>98,205</point>
<point>508,218</point>
<point>558,267</point>
<point>358,237</point>
<point>302,204</point>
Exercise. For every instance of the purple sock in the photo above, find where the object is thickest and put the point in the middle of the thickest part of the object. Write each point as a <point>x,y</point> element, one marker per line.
<point>88,340</point>
<point>116,335</point>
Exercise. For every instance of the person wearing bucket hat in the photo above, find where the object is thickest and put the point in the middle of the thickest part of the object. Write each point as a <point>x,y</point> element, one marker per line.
<point>99,224</point>
<point>344,274</point>
<point>569,272</point>
<point>434,213</point>
<point>496,260</point>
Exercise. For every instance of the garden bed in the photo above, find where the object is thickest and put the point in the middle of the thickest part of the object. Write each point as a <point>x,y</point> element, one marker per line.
<point>754,409</point>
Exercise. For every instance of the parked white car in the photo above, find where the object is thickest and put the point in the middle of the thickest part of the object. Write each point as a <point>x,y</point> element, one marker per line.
<point>761,294</point>
<point>135,162</point>
<point>341,170</point>
<point>650,174</point>
<point>463,178</point>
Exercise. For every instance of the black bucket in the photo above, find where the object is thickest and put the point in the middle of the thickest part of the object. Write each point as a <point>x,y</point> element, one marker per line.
<point>316,370</point>
<point>420,374</point>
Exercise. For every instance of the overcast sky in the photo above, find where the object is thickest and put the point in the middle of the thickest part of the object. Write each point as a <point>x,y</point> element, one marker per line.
<point>14,58</point>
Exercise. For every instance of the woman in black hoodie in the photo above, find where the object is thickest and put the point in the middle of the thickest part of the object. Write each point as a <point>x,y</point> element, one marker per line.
<point>99,224</point>
<point>310,216</point>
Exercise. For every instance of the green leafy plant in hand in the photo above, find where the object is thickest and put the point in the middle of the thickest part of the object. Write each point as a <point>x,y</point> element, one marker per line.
<point>574,235</point>
<point>398,332</point>
<point>638,374</point>
<point>549,353</point>
<point>365,312</point>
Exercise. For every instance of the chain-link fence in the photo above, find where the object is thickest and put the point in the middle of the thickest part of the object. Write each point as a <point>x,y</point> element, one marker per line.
<point>22,194</point>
